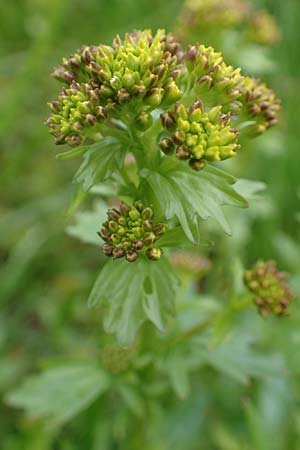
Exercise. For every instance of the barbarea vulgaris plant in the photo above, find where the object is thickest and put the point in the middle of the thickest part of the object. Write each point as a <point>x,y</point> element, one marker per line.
<point>155,121</point>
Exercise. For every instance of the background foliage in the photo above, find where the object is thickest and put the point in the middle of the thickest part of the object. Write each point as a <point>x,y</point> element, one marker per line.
<point>243,394</point>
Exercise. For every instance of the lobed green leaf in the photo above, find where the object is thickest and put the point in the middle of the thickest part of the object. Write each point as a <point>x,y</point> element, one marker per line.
<point>60,393</point>
<point>191,196</point>
<point>130,294</point>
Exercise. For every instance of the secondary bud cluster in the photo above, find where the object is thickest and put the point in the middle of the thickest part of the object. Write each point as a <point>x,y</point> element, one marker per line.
<point>261,104</point>
<point>197,136</point>
<point>263,29</point>
<point>202,15</point>
<point>139,72</point>
<point>272,294</point>
<point>129,230</point>
<point>76,109</point>
<point>216,82</point>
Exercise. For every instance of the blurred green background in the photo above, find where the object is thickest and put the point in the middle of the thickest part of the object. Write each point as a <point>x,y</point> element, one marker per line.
<point>45,274</point>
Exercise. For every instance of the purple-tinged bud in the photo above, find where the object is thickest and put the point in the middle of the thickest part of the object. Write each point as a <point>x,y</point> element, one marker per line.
<point>86,56</point>
<point>191,53</point>
<point>160,70</point>
<point>168,120</point>
<point>118,253</point>
<point>107,249</point>
<point>101,112</point>
<point>73,140</point>
<point>104,233</point>
<point>198,104</point>
<point>63,75</point>
<point>124,209</point>
<point>55,106</point>
<point>132,256</point>
<point>74,63</point>
<point>197,164</point>
<point>123,95</point>
<point>205,81</point>
<point>113,214</point>
<point>150,238</point>
<point>91,120</point>
<point>179,137</point>
<point>95,68</point>
<point>154,97</point>
<point>160,229</point>
<point>167,146</point>
<point>182,152</point>
<point>138,244</point>
<point>147,213</point>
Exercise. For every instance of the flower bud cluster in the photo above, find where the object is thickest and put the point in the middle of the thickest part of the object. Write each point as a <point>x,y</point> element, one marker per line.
<point>198,136</point>
<point>215,80</point>
<point>261,104</point>
<point>129,230</point>
<point>272,294</point>
<point>76,109</point>
<point>263,29</point>
<point>139,72</point>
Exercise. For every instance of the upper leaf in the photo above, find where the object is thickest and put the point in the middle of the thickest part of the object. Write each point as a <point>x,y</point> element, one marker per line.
<point>130,294</point>
<point>190,196</point>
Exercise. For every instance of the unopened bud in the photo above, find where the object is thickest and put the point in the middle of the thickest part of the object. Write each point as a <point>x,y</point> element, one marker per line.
<point>113,214</point>
<point>118,253</point>
<point>134,214</point>
<point>182,152</point>
<point>138,244</point>
<point>143,121</point>
<point>197,164</point>
<point>167,146</point>
<point>147,213</point>
<point>107,249</point>
<point>132,256</point>
<point>154,253</point>
<point>154,97</point>
<point>168,120</point>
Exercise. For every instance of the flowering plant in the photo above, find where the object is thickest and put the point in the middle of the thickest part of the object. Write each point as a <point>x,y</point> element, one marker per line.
<point>152,119</point>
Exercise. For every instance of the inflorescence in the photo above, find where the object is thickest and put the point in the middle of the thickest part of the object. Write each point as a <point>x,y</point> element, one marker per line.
<point>130,230</point>
<point>135,74</point>
<point>201,100</point>
<point>268,285</point>
<point>199,136</point>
